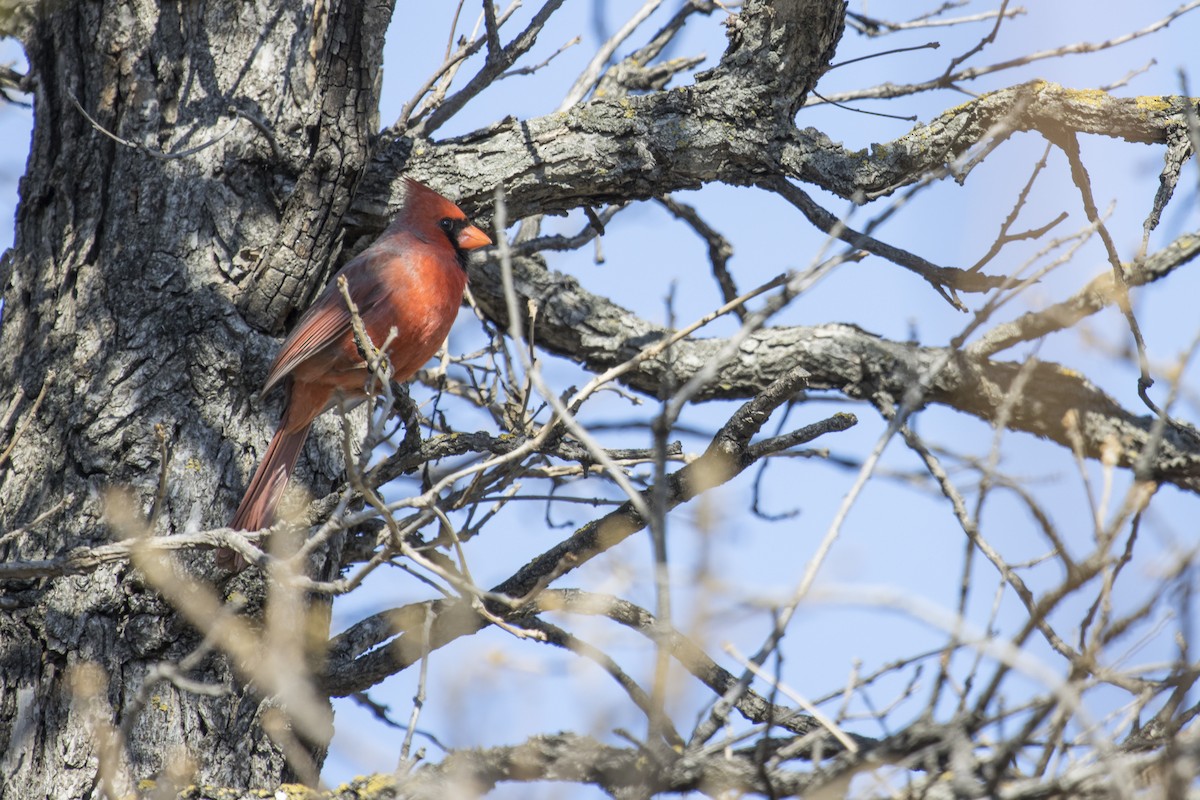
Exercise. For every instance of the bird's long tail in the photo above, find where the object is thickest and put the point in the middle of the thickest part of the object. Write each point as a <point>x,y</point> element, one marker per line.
<point>257,509</point>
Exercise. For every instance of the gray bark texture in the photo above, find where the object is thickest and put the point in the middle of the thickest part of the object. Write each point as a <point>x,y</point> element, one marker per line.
<point>135,292</point>
<point>196,173</point>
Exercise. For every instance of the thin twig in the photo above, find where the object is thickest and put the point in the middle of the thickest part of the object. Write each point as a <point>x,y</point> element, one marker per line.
<point>47,382</point>
<point>889,90</point>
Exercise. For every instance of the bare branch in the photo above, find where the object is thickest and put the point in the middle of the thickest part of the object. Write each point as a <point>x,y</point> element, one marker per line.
<point>497,63</point>
<point>726,457</point>
<point>887,90</point>
<point>968,383</point>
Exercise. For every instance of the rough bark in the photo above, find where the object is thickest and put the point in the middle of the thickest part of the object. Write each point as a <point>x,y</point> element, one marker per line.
<point>599,333</point>
<point>122,296</point>
<point>644,146</point>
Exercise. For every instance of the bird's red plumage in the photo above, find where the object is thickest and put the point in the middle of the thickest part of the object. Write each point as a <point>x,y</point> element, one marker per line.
<point>410,278</point>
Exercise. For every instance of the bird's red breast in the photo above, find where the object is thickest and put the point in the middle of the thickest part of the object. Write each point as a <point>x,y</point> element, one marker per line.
<point>410,279</point>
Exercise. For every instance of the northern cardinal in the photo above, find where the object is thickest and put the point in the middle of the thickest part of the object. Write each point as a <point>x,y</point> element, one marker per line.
<point>411,278</point>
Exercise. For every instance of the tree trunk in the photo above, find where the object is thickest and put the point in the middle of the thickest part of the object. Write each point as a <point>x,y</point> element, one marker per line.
<point>189,169</point>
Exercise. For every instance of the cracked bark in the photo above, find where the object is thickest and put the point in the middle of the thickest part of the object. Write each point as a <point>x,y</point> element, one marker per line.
<point>644,146</point>
<point>122,282</point>
<point>598,333</point>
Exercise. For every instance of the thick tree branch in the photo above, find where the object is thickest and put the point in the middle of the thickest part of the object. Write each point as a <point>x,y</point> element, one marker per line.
<point>638,772</point>
<point>1100,293</point>
<point>638,147</point>
<point>598,333</point>
<point>635,146</point>
<point>622,772</point>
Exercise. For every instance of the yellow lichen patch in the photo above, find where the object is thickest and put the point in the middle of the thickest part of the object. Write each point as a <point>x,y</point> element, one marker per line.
<point>1154,104</point>
<point>295,791</point>
<point>374,785</point>
<point>1093,97</point>
<point>628,106</point>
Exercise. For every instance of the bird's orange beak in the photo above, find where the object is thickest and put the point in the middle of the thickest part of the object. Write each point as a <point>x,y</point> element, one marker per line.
<point>471,237</point>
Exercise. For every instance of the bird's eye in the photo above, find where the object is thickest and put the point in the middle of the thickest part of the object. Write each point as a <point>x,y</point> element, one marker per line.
<point>447,225</point>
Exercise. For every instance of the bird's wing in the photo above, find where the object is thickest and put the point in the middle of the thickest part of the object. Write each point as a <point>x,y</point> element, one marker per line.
<point>326,322</point>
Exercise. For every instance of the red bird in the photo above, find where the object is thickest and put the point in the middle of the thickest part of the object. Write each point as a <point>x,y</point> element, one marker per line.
<point>412,278</point>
